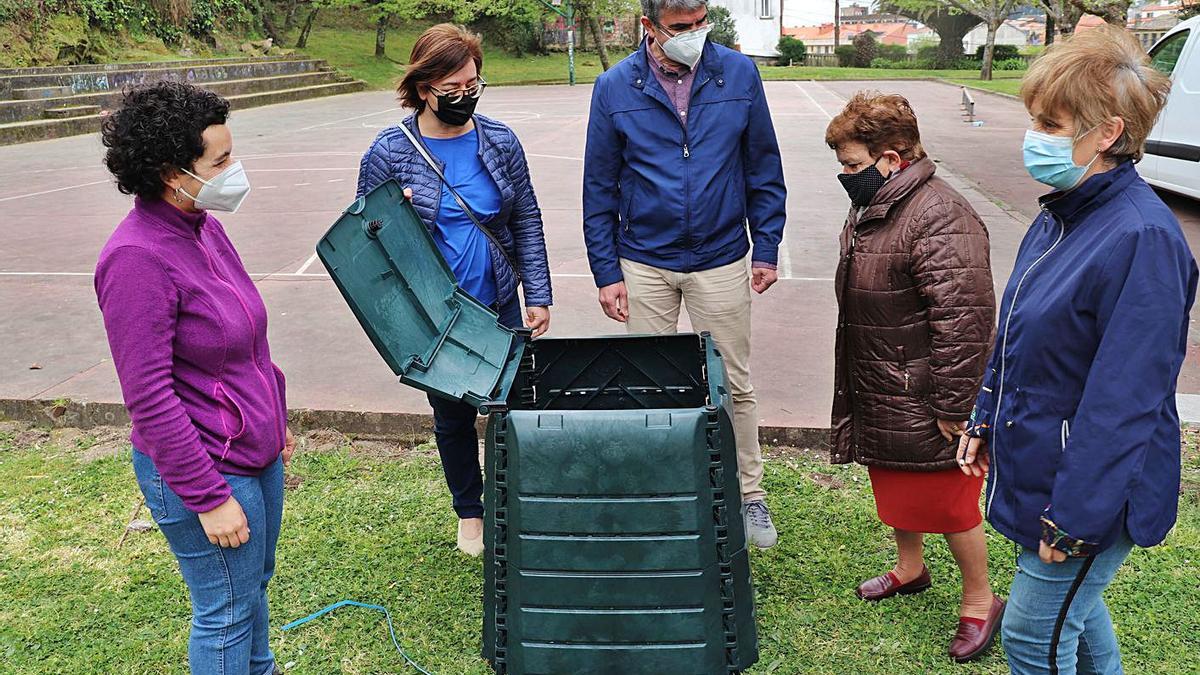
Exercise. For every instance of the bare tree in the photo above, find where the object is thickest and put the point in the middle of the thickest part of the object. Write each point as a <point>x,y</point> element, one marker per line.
<point>993,13</point>
<point>1115,12</point>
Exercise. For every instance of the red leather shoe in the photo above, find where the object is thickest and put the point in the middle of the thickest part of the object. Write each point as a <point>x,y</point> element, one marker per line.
<point>974,638</point>
<point>874,590</point>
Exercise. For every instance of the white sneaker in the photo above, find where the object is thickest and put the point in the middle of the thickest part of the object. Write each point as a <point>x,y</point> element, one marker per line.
<point>472,547</point>
<point>760,531</point>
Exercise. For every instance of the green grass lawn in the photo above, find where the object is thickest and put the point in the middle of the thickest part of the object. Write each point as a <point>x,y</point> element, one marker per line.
<point>353,51</point>
<point>1005,81</point>
<point>371,522</point>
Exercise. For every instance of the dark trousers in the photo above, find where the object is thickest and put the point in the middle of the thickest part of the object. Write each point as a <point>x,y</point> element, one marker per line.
<point>458,442</point>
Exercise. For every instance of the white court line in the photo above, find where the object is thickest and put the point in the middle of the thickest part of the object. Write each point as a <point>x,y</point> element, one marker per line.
<point>300,184</point>
<point>335,180</point>
<point>814,101</point>
<point>573,159</point>
<point>348,119</point>
<point>307,263</point>
<point>266,187</point>
<point>61,189</point>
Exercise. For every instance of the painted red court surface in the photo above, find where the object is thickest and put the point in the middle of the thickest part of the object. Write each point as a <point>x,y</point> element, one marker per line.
<point>58,205</point>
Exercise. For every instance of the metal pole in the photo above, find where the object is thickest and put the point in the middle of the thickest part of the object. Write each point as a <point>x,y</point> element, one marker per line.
<point>570,16</point>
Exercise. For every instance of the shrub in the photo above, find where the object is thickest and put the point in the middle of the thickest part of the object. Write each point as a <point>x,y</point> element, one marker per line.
<point>845,55</point>
<point>791,51</point>
<point>928,52</point>
<point>1010,64</point>
<point>724,29</point>
<point>999,52</point>
<point>893,52</point>
<point>865,49</point>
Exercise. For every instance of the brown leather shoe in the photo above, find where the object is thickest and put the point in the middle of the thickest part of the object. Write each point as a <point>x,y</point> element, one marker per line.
<point>887,585</point>
<point>972,640</point>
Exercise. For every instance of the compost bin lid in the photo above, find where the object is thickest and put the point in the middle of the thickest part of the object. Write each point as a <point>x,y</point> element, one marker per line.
<point>432,334</point>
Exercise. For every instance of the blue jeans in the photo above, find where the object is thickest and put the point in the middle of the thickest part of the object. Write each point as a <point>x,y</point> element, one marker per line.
<point>1062,603</point>
<point>228,585</point>
<point>458,441</point>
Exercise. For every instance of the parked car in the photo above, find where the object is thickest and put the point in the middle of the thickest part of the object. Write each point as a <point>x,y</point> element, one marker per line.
<point>1172,160</point>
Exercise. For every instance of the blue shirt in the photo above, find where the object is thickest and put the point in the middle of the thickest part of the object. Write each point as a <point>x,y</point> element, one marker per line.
<point>463,245</point>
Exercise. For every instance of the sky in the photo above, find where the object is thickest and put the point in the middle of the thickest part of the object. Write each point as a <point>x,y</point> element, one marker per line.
<point>810,12</point>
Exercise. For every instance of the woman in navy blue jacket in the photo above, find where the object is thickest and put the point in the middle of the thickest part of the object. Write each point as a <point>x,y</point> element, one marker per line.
<point>483,216</point>
<point>1076,423</point>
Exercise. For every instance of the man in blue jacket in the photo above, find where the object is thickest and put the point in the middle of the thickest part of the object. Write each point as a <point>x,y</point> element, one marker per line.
<point>681,164</point>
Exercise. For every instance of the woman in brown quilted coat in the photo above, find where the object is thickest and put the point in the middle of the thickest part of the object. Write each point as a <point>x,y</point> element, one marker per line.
<point>915,322</point>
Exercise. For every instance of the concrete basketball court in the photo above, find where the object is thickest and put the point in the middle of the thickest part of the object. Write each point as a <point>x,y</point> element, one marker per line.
<point>58,206</point>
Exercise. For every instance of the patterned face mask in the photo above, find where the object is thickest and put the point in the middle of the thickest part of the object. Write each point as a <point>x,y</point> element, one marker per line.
<point>863,185</point>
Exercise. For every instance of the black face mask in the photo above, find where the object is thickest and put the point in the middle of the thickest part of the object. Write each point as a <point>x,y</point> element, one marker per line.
<point>457,113</point>
<point>863,185</point>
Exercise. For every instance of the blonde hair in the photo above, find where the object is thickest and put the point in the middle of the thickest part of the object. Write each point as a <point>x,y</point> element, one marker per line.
<point>1097,75</point>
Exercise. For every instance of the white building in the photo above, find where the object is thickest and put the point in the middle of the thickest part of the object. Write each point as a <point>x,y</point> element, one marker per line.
<point>1008,34</point>
<point>759,24</point>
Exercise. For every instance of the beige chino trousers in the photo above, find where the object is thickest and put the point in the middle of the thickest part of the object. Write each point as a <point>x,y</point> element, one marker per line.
<point>718,302</point>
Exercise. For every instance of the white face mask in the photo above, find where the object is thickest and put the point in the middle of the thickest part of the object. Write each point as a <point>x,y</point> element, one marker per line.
<point>223,192</point>
<point>686,48</point>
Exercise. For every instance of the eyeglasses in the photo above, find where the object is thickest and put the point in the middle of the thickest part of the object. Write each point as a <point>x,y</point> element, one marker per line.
<point>678,28</point>
<point>474,91</point>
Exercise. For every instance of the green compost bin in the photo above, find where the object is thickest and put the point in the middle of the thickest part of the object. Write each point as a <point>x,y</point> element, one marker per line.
<point>615,542</point>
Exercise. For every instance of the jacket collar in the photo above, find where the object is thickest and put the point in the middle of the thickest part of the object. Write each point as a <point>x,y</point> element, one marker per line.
<point>898,186</point>
<point>1096,191</point>
<point>411,123</point>
<point>710,67</point>
<point>174,220</point>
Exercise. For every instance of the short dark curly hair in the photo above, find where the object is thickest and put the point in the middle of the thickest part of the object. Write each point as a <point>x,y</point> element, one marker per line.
<point>156,129</point>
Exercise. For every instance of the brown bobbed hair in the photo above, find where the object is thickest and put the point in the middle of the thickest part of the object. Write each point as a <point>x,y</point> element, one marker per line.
<point>879,121</point>
<point>440,51</point>
<point>1094,76</point>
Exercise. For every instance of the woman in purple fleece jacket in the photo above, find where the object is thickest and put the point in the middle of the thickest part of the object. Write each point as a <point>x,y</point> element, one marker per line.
<point>188,333</point>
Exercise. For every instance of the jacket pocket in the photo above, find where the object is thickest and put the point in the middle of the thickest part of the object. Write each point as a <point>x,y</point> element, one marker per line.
<point>233,418</point>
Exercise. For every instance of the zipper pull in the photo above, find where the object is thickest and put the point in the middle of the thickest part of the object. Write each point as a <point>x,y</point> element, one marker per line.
<point>228,442</point>
<point>686,153</point>
<point>906,380</point>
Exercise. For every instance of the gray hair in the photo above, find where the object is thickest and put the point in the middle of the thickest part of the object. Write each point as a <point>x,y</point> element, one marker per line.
<point>651,9</point>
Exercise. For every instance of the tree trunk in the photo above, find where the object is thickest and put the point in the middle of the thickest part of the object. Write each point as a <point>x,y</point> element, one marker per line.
<point>289,16</point>
<point>302,41</point>
<point>598,37</point>
<point>1049,40</point>
<point>950,49</point>
<point>837,24</point>
<point>268,22</point>
<point>989,49</point>
<point>381,37</point>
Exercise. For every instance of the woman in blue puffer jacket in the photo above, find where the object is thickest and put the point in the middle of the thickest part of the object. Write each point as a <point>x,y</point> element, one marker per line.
<point>1076,423</point>
<point>484,218</point>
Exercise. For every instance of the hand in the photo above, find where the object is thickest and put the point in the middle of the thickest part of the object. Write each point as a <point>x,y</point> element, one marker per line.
<point>226,525</point>
<point>538,319</point>
<point>762,279</point>
<point>615,301</point>
<point>951,429</point>
<point>289,447</point>
<point>408,194</point>
<point>1049,554</point>
<point>972,456</point>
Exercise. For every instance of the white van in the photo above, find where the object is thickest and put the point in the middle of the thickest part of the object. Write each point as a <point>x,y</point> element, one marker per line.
<point>1172,160</point>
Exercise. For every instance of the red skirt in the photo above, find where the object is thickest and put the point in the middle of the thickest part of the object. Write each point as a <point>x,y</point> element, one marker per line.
<point>936,502</point>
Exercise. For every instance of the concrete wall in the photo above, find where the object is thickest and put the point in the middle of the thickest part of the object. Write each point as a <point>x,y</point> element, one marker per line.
<point>758,36</point>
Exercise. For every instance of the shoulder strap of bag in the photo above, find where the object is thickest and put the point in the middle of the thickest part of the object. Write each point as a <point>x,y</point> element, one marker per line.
<point>462,204</point>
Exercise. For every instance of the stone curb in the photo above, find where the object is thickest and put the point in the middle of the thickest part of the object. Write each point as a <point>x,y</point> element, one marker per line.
<point>357,424</point>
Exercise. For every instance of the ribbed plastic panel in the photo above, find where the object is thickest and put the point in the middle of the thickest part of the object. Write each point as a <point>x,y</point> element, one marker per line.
<point>615,541</point>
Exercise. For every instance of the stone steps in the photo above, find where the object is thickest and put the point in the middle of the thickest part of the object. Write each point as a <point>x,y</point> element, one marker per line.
<point>72,99</point>
<point>70,111</point>
<point>140,65</point>
<point>36,130</point>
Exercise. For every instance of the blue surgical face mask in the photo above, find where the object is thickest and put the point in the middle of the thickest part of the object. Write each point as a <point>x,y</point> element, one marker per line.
<point>1051,159</point>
